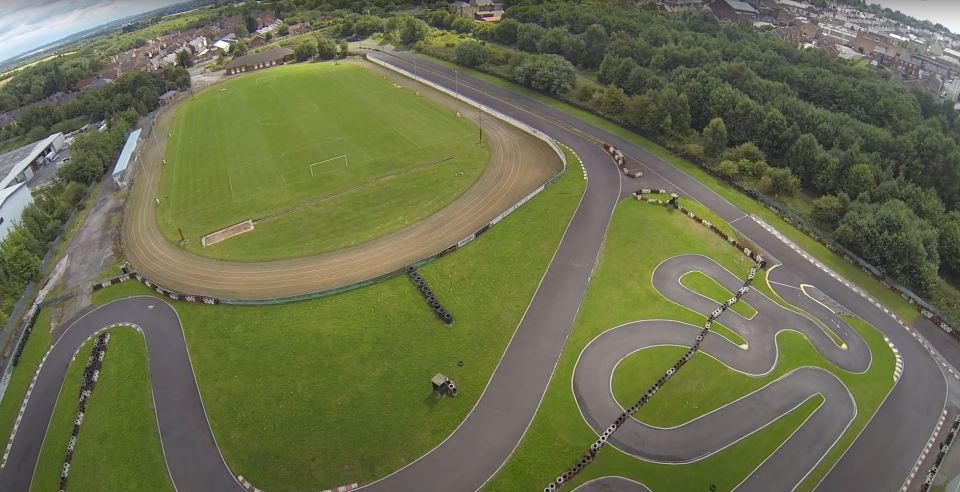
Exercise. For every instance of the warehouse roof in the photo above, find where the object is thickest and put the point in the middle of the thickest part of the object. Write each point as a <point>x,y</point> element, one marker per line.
<point>126,154</point>
<point>261,57</point>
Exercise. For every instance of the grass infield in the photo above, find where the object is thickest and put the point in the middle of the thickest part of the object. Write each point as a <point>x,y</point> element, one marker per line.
<point>621,292</point>
<point>343,154</point>
<point>317,394</point>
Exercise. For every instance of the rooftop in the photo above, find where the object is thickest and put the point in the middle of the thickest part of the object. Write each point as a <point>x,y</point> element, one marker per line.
<point>9,191</point>
<point>741,6</point>
<point>126,153</point>
<point>263,56</point>
<point>14,161</point>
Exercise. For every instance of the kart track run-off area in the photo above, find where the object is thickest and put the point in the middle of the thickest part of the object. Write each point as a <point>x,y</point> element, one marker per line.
<point>662,349</point>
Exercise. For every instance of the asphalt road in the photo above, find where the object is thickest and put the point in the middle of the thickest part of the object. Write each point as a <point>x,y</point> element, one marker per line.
<point>191,453</point>
<point>487,437</point>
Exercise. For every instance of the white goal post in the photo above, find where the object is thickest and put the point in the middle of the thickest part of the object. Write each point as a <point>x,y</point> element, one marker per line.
<point>314,172</point>
<point>266,79</point>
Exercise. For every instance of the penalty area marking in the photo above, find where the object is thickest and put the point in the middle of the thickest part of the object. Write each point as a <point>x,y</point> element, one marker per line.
<point>266,79</point>
<point>311,166</point>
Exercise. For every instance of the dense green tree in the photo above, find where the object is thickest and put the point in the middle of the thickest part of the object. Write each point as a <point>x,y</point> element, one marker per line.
<point>827,211</point>
<point>892,237</point>
<point>506,31</point>
<point>826,173</point>
<point>547,73</point>
<point>802,157</point>
<point>950,242</point>
<point>780,181</point>
<point>470,53</point>
<point>411,30</point>
<point>367,25</point>
<point>728,169</point>
<point>283,30</point>
<point>595,40</point>
<point>528,36</point>
<point>674,105</point>
<point>251,23</point>
<point>305,50</point>
<point>859,178</point>
<point>239,49</point>
<point>184,59</point>
<point>326,48</point>
<point>715,137</point>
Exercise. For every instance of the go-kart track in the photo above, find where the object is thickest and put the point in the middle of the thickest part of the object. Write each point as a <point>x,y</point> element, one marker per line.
<point>881,458</point>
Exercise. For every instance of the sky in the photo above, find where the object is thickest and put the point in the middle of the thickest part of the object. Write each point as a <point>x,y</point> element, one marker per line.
<point>946,12</point>
<point>28,24</point>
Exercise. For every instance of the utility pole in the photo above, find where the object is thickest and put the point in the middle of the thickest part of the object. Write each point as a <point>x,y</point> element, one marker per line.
<point>456,84</point>
<point>480,110</point>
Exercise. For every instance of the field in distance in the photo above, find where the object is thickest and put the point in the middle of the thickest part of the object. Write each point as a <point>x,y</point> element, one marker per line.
<point>322,156</point>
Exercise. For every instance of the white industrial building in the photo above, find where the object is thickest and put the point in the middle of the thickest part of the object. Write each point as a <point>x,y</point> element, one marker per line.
<point>29,166</point>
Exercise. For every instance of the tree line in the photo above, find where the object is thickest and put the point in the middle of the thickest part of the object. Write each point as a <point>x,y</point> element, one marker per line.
<point>882,159</point>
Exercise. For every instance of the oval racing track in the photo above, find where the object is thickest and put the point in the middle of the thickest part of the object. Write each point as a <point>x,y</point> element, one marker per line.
<point>519,162</point>
<point>475,451</point>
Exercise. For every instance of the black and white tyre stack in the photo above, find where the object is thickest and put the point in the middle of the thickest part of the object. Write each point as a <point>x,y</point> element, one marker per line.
<point>428,295</point>
<point>91,374</point>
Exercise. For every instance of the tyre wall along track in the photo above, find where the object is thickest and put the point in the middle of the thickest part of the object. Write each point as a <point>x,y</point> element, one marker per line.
<point>714,431</point>
<point>519,163</point>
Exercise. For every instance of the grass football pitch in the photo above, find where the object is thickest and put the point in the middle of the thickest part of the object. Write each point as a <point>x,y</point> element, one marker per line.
<point>368,157</point>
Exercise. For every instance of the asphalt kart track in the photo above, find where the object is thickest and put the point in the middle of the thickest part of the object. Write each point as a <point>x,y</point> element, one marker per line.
<point>715,431</point>
<point>879,460</point>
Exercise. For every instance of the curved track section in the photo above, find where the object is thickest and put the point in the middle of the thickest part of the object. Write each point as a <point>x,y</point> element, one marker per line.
<point>191,453</point>
<point>519,162</point>
<point>710,433</point>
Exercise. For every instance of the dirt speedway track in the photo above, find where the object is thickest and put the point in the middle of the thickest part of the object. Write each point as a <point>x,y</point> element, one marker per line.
<point>519,162</point>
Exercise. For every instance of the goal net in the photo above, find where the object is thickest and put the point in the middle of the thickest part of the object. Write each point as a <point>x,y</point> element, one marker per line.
<point>266,79</point>
<point>327,165</point>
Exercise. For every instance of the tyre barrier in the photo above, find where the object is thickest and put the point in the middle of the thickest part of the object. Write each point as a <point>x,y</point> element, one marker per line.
<point>428,295</point>
<point>751,251</point>
<point>621,161</point>
<point>91,374</point>
<point>177,296</point>
<point>944,448</point>
<point>28,329</point>
<point>598,445</point>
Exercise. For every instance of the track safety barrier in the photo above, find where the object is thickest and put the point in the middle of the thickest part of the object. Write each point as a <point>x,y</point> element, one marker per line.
<point>749,250</point>
<point>759,263</point>
<point>944,448</point>
<point>421,284</point>
<point>156,288</point>
<point>621,161</point>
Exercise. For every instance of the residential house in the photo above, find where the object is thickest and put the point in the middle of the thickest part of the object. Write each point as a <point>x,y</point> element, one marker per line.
<point>734,10</point>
